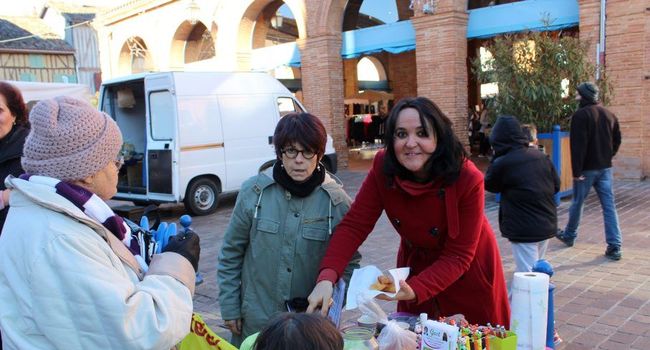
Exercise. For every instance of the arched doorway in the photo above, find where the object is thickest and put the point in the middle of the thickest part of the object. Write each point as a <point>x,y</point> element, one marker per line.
<point>268,23</point>
<point>272,41</point>
<point>375,72</point>
<point>134,57</point>
<point>275,25</point>
<point>370,69</point>
<point>192,43</point>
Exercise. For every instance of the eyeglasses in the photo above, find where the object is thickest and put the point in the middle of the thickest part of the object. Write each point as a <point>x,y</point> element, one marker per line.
<point>119,162</point>
<point>293,153</point>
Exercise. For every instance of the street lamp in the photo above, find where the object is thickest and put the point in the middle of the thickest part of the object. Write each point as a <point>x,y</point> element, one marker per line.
<point>193,11</point>
<point>276,21</point>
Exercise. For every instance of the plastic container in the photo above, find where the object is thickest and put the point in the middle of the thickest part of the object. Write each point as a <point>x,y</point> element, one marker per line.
<point>359,338</point>
<point>507,343</point>
<point>367,321</point>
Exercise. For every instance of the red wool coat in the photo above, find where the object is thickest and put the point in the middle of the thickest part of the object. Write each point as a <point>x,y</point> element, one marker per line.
<point>445,239</point>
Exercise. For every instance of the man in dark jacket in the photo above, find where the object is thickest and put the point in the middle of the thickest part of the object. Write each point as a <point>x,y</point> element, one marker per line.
<point>527,181</point>
<point>595,139</point>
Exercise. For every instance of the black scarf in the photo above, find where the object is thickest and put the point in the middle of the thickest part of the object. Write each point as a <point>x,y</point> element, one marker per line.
<point>11,146</point>
<point>302,189</point>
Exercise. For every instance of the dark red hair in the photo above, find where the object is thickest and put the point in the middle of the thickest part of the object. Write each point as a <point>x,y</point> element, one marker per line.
<point>15,102</point>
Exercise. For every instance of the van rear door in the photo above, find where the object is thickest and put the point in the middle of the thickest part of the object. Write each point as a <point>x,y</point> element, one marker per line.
<point>248,125</point>
<point>162,167</point>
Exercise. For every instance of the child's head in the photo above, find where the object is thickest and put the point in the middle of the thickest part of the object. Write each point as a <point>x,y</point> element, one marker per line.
<point>531,132</point>
<point>299,331</point>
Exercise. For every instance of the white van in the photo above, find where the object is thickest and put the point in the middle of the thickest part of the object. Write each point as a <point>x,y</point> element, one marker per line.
<point>189,136</point>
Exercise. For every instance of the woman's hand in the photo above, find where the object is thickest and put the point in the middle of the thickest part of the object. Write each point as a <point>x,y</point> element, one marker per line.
<point>405,293</point>
<point>321,296</point>
<point>4,201</point>
<point>234,326</point>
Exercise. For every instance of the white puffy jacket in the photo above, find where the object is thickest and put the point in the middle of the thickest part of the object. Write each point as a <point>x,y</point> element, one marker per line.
<point>68,283</point>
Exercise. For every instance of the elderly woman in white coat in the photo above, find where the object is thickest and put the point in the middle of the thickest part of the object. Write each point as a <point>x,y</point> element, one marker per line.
<point>71,274</point>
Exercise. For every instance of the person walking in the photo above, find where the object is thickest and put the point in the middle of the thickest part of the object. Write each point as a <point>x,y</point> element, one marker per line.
<point>595,139</point>
<point>527,181</point>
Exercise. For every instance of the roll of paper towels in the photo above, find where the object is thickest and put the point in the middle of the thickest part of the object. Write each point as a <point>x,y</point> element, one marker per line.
<point>529,309</point>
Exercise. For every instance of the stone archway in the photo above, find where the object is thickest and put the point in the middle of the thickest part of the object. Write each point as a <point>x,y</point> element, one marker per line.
<point>378,66</point>
<point>134,57</point>
<point>191,43</point>
<point>249,33</point>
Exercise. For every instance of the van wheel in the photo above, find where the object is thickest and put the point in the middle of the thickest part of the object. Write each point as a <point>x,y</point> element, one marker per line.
<point>202,197</point>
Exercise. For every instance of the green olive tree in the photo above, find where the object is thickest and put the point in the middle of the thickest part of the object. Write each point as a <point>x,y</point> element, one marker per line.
<point>537,74</point>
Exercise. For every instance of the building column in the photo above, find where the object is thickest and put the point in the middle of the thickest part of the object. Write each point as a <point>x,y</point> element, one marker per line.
<point>441,60</point>
<point>322,86</point>
<point>626,65</point>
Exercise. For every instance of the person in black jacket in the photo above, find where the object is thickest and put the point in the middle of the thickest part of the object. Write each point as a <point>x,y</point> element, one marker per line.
<point>595,139</point>
<point>527,181</point>
<point>14,128</point>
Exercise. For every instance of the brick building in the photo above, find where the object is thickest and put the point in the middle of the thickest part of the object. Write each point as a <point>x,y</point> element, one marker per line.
<point>424,51</point>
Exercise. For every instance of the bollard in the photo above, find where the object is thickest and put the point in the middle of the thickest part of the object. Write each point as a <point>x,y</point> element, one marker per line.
<point>557,158</point>
<point>186,221</point>
<point>544,266</point>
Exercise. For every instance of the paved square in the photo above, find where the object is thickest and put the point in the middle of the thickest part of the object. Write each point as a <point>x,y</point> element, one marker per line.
<point>599,304</point>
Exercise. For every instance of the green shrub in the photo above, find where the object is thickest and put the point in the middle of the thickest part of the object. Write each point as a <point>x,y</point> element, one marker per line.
<point>530,76</point>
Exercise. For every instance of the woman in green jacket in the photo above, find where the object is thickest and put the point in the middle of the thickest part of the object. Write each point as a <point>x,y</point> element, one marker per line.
<point>280,228</point>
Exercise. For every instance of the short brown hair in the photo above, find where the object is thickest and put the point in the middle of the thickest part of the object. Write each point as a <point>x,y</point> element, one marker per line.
<point>303,128</point>
<point>15,102</point>
<point>299,331</point>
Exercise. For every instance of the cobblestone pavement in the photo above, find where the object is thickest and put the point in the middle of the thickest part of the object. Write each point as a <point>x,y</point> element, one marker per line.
<point>599,304</point>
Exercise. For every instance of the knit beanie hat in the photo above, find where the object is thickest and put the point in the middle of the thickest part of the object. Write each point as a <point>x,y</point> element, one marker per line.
<point>588,91</point>
<point>69,140</point>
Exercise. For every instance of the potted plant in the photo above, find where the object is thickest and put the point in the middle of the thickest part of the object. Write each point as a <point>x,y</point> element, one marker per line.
<point>537,74</point>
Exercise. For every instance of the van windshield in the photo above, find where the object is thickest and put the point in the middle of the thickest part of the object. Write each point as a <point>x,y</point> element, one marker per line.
<point>288,105</point>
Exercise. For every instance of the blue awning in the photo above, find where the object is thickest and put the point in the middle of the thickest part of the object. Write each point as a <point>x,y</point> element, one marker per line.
<point>394,38</point>
<point>521,16</point>
<point>399,37</point>
<point>271,57</point>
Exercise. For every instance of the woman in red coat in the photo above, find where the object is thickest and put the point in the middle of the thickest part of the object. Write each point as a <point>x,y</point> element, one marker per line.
<point>433,196</point>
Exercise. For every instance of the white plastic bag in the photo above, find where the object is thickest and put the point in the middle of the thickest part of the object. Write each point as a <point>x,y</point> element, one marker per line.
<point>369,307</point>
<point>392,336</point>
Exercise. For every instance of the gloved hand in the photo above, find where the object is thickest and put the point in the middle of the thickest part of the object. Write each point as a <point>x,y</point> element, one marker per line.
<point>187,245</point>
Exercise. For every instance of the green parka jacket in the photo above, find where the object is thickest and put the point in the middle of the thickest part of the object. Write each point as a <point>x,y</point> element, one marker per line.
<point>273,247</point>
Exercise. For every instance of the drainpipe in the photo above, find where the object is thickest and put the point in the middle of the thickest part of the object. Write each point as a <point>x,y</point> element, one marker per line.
<point>600,47</point>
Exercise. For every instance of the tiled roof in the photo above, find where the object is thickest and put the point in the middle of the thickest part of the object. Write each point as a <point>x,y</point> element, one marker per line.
<point>43,40</point>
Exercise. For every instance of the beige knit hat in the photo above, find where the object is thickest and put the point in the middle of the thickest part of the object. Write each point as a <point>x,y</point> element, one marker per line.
<point>69,140</point>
